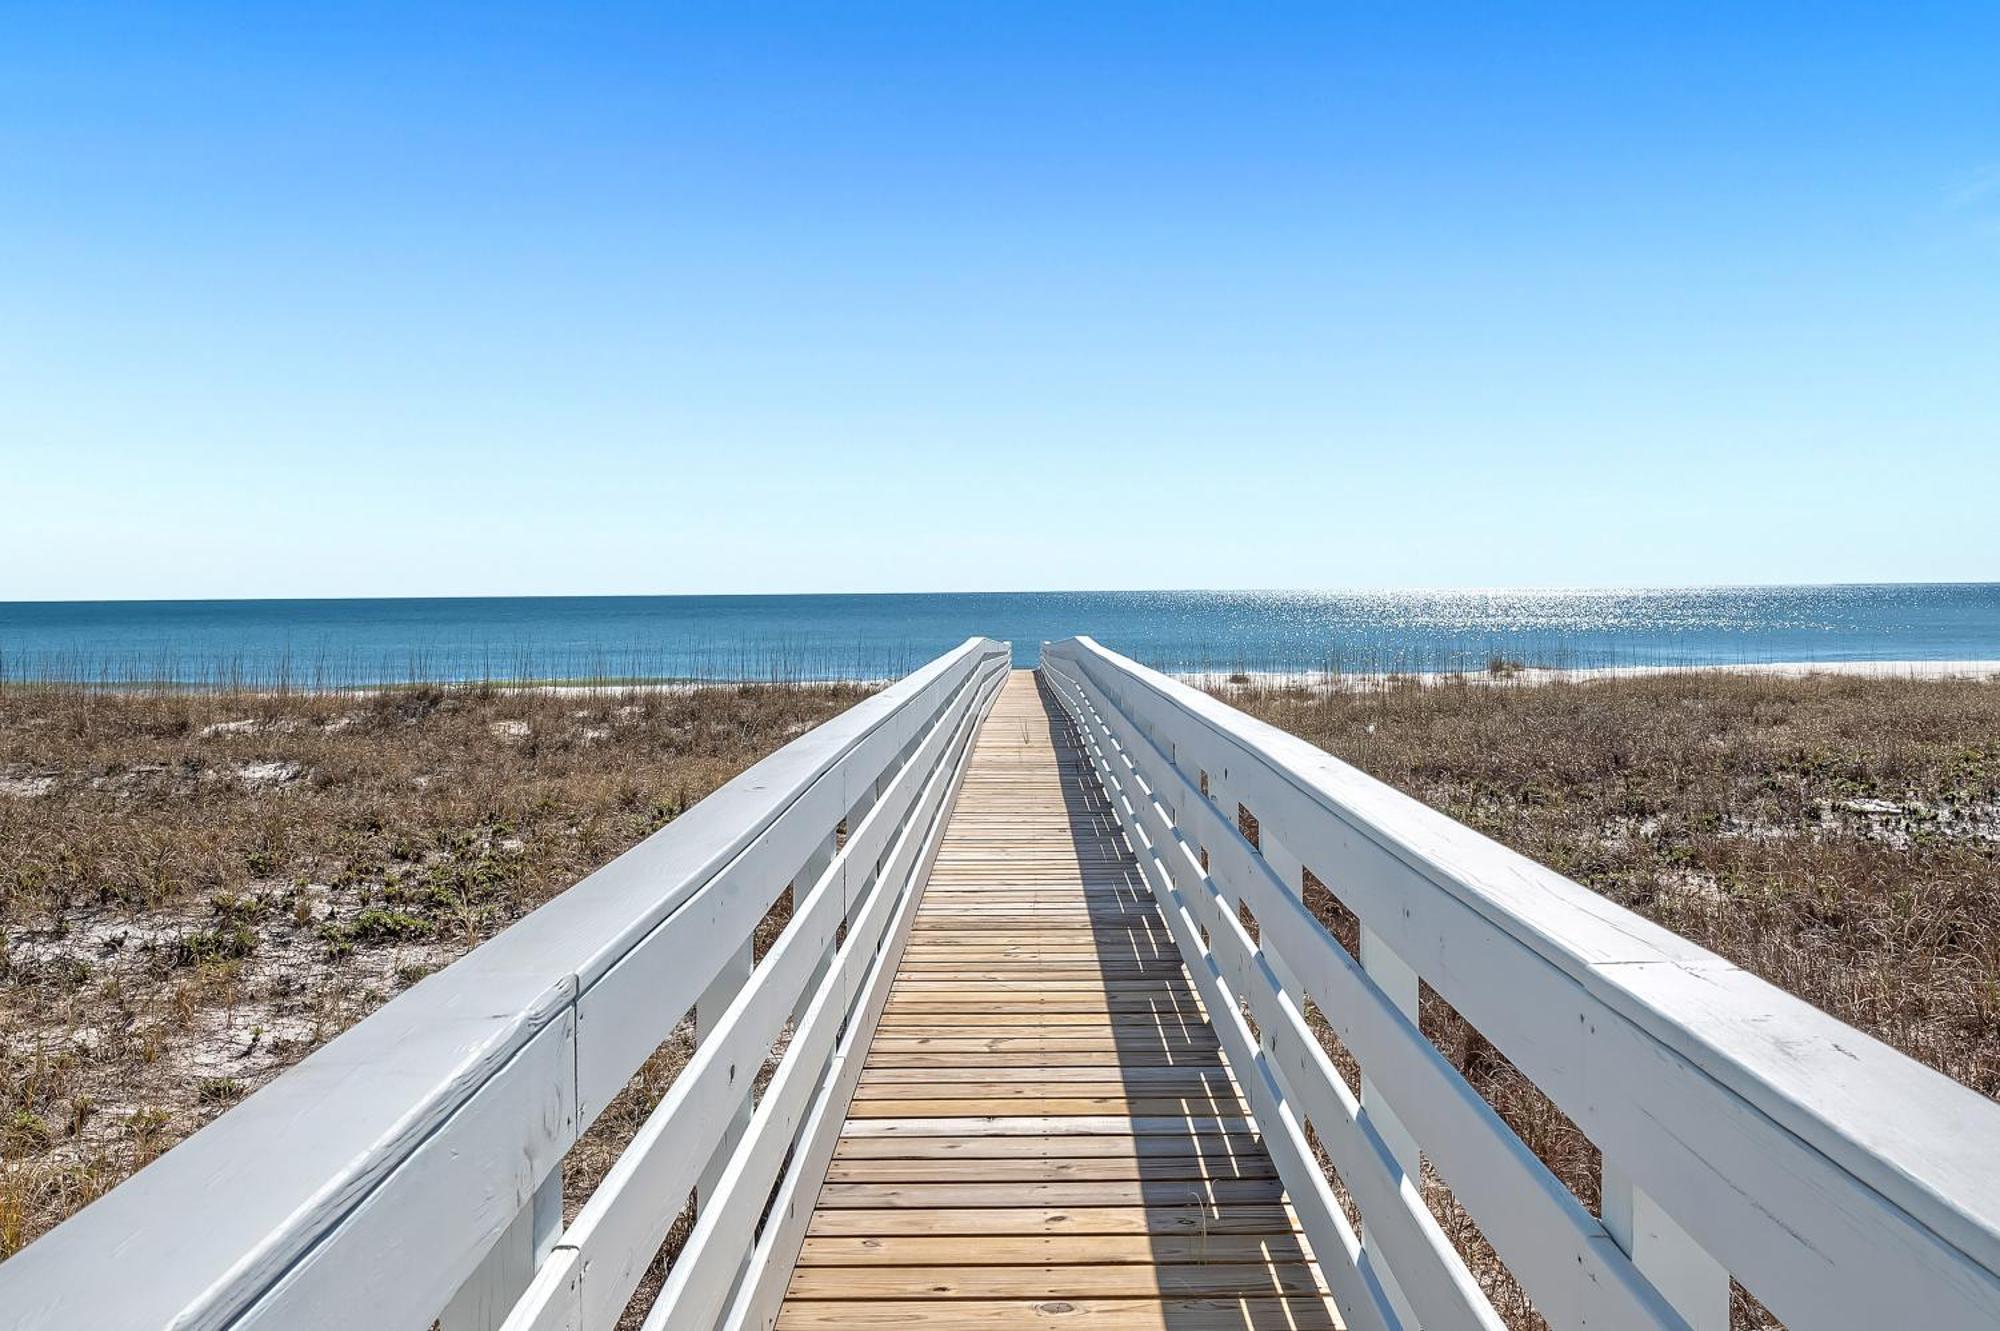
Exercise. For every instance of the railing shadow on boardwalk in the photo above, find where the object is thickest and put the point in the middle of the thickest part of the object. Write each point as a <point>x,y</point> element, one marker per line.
<point>1223,1243</point>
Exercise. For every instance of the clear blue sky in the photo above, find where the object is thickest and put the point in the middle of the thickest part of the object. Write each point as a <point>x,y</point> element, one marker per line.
<point>741,297</point>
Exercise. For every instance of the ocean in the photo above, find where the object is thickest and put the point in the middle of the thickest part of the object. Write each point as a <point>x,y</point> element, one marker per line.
<point>337,643</point>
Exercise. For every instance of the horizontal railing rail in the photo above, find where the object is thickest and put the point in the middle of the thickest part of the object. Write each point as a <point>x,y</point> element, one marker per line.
<point>410,1171</point>
<point>1744,1133</point>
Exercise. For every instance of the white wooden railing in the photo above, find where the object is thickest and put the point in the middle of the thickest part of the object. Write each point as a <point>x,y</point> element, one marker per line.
<point>410,1171</point>
<point>1744,1133</point>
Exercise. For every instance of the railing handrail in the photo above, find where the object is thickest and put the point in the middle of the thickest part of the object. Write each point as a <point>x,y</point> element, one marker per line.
<point>212,1227</point>
<point>1916,1140</point>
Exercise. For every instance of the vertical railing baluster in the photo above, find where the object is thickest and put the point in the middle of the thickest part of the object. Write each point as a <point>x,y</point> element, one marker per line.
<point>490,1293</point>
<point>708,1010</point>
<point>1223,796</point>
<point>1398,980</point>
<point>1291,872</point>
<point>1681,1269</point>
<point>815,865</point>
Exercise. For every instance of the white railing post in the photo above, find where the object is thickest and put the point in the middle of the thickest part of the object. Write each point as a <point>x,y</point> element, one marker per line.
<point>1681,1269</point>
<point>863,802</point>
<point>1398,981</point>
<point>1290,871</point>
<point>1223,797</point>
<point>815,866</point>
<point>708,1010</point>
<point>483,1302</point>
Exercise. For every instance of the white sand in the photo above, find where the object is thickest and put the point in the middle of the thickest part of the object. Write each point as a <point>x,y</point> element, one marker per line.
<point>1988,671</point>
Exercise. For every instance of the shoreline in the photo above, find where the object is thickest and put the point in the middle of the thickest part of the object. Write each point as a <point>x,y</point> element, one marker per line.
<point>548,687</point>
<point>1978,670</point>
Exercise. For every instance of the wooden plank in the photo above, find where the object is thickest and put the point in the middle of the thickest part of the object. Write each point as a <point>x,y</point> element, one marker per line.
<point>1044,978</point>
<point>1070,1147</point>
<point>1034,1007</point>
<point>1053,1249</point>
<point>1044,1104</point>
<point>1137,1043</point>
<point>1198,1075</point>
<point>1117,1280</point>
<point>1300,1313</point>
<point>1043,1169</point>
<point>1064,1026</point>
<point>981,1222</point>
<point>1207,1085</point>
<point>975,1193</point>
<point>1054,1058</point>
<point>1030,1125</point>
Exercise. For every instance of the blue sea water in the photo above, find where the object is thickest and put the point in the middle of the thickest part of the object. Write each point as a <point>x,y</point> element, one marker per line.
<point>322,643</point>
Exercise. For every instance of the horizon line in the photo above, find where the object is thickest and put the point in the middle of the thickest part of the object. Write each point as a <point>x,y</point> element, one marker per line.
<point>1357,590</point>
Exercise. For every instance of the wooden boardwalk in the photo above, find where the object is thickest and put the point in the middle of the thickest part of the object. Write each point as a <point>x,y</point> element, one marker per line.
<point>1045,1129</point>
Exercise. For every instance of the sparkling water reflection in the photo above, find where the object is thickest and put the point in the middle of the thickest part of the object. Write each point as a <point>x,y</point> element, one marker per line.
<point>344,642</point>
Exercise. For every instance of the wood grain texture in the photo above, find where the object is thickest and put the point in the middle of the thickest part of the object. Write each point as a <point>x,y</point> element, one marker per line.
<point>1044,1128</point>
<point>1297,1313</point>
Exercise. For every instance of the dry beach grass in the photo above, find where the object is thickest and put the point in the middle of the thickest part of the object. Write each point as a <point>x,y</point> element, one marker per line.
<point>1836,835</point>
<point>197,889</point>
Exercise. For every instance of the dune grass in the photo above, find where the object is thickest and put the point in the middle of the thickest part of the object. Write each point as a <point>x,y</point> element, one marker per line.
<point>197,888</point>
<point>1837,835</point>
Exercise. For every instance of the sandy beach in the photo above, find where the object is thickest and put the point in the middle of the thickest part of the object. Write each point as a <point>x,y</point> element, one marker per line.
<point>1512,675</point>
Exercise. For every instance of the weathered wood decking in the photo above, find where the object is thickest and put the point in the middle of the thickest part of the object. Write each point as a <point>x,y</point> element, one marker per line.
<point>1045,1128</point>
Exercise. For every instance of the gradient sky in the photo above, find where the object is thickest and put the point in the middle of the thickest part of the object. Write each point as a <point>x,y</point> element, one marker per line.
<point>753,297</point>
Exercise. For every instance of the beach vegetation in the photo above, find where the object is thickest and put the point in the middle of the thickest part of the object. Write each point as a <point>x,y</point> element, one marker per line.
<point>198,887</point>
<point>1837,835</point>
